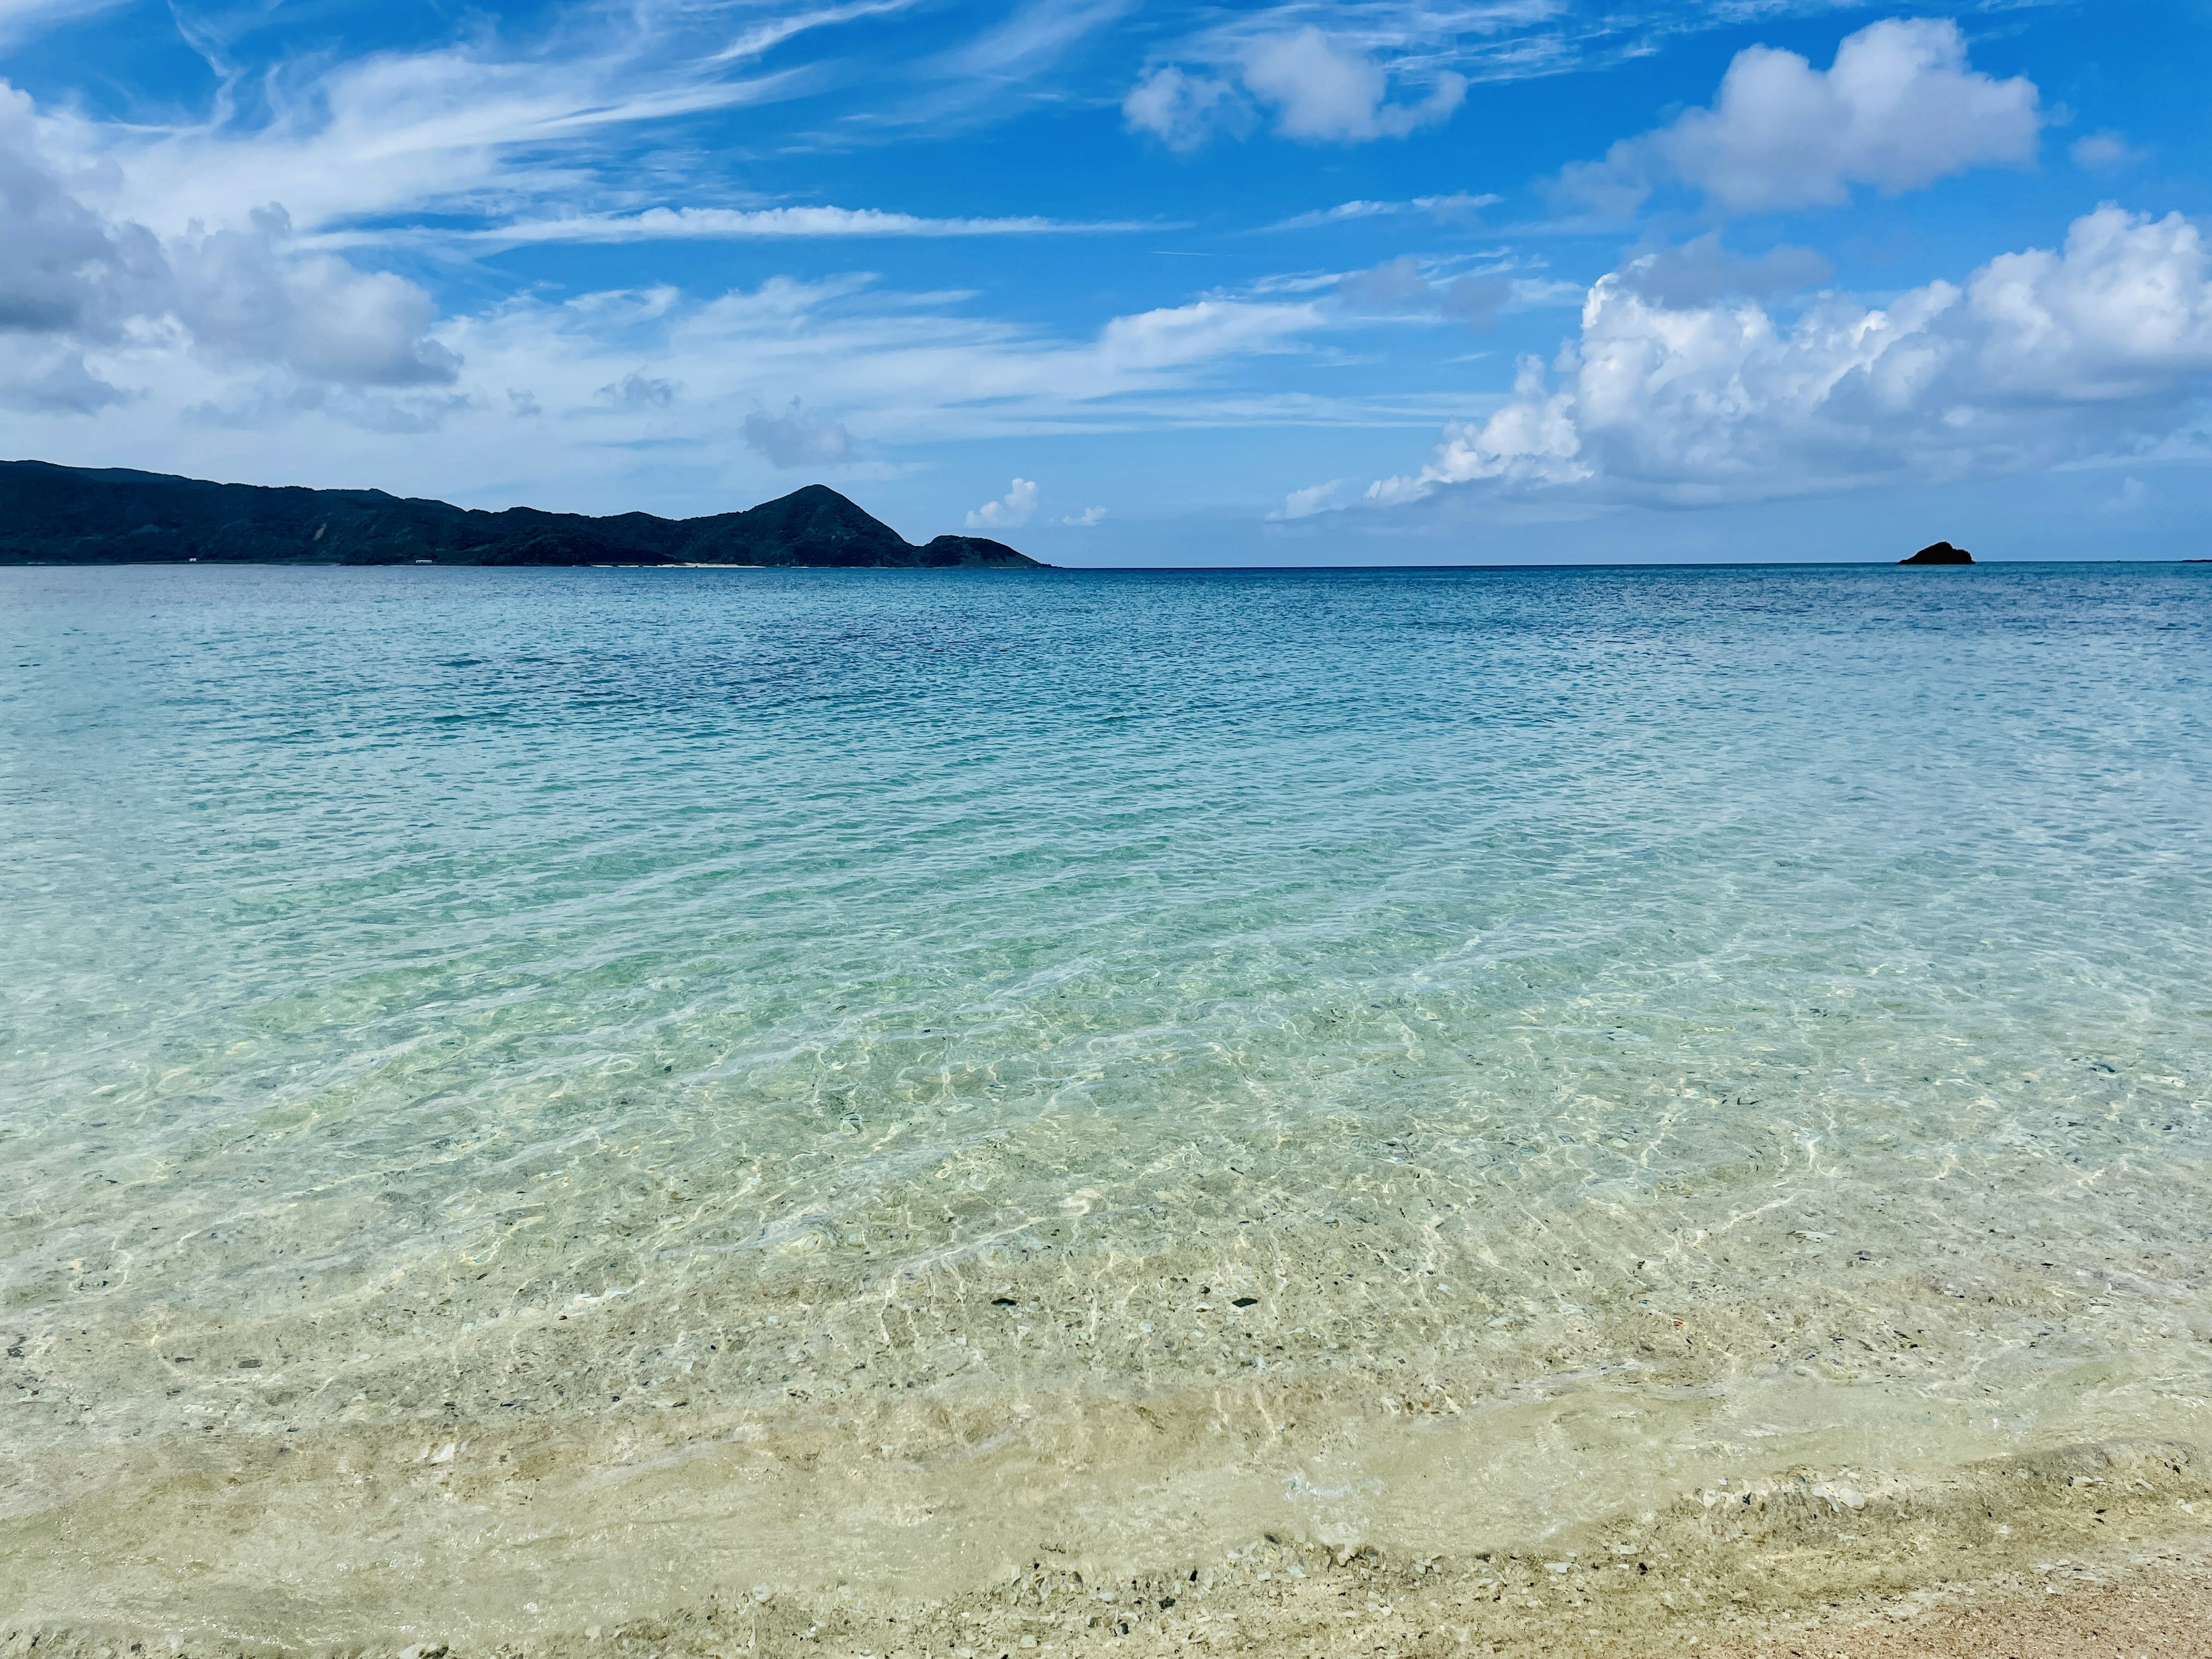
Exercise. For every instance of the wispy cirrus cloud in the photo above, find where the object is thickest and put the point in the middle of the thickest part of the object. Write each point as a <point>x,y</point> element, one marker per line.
<point>481,124</point>
<point>887,365</point>
<point>757,40</point>
<point>1460,208</point>
<point>1406,287</point>
<point>20,20</point>
<point>1009,66</point>
<point>420,133</point>
<point>1035,37</point>
<point>718,224</point>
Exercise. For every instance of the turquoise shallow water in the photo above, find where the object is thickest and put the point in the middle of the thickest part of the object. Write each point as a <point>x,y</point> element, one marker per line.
<point>522,1006</point>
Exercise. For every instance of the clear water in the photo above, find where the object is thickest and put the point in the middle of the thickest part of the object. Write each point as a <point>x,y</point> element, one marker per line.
<point>528,1093</point>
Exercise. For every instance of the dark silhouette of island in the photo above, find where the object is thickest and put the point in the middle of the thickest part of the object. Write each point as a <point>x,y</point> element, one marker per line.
<point>85,515</point>
<point>1939,553</point>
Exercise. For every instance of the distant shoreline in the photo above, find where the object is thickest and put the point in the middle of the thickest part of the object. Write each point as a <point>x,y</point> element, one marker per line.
<point>67,515</point>
<point>12,563</point>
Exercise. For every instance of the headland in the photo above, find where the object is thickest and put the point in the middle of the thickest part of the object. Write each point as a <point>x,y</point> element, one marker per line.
<point>52,515</point>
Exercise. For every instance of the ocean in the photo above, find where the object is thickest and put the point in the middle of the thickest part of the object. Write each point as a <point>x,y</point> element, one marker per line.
<point>536,1104</point>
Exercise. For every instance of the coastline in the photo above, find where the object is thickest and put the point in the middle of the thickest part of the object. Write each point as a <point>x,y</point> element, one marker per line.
<point>930,1469</point>
<point>2084,1550</point>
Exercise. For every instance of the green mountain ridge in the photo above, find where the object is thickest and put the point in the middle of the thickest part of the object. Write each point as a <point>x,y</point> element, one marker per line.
<point>52,515</point>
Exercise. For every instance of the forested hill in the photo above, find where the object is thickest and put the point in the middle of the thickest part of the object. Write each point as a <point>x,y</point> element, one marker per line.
<point>81,515</point>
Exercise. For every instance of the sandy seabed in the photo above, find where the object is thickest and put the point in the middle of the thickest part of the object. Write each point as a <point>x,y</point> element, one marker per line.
<point>1626,1480</point>
<point>2089,1551</point>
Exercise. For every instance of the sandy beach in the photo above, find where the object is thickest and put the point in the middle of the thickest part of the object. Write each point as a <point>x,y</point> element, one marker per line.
<point>2090,1552</point>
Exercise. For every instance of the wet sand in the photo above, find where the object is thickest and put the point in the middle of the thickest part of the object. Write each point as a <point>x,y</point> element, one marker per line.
<point>983,1452</point>
<point>1782,1576</point>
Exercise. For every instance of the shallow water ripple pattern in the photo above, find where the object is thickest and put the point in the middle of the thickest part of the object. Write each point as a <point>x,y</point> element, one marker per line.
<point>1455,963</point>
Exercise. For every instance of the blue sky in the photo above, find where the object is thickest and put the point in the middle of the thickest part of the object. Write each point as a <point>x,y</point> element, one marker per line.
<point>1124,282</point>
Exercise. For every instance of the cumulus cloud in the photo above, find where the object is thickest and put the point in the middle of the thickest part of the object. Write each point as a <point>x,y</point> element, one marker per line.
<point>1182,110</point>
<point>1009,511</point>
<point>795,438</point>
<point>39,378</point>
<point>2042,356</point>
<point>65,268</point>
<point>1087,518</point>
<point>1319,89</point>
<point>1898,109</point>
<point>244,293</point>
<point>81,280</point>
<point>1326,93</point>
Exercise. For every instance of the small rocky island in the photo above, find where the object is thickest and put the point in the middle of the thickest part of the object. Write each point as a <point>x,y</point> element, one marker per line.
<point>1939,553</point>
<point>84,515</point>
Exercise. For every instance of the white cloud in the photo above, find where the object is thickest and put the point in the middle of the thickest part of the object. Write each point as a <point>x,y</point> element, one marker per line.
<point>1315,498</point>
<point>64,267</point>
<point>1325,93</point>
<point>451,129</point>
<point>1183,110</point>
<point>732,224</point>
<point>2122,312</point>
<point>1006,68</point>
<point>78,280</point>
<point>765,36</point>
<point>2104,152</point>
<point>243,295</point>
<point>1177,335</point>
<point>795,438</point>
<point>1036,36</point>
<point>2041,357</point>
<point>1462,208</point>
<point>897,366</point>
<point>1010,510</point>
<point>1086,519</point>
<point>20,20</point>
<point>1321,89</point>
<point>1898,109</point>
